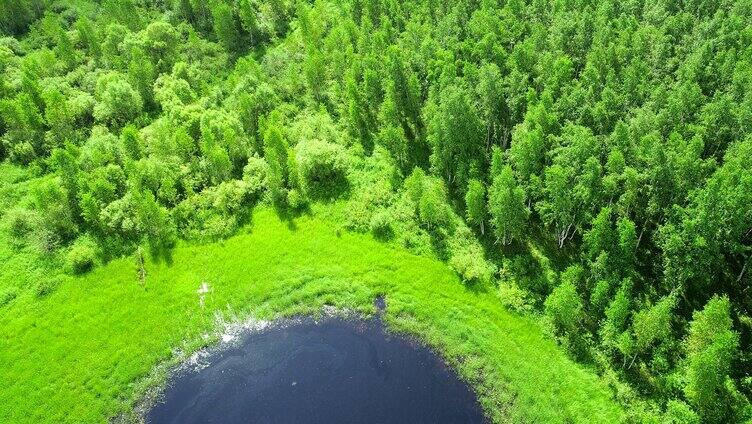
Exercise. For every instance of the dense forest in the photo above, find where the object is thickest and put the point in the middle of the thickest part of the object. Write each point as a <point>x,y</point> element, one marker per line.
<point>589,160</point>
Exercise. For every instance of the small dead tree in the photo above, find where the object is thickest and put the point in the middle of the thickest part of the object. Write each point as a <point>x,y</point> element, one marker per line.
<point>141,265</point>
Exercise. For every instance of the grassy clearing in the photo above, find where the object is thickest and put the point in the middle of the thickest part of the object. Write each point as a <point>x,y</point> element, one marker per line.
<point>79,354</point>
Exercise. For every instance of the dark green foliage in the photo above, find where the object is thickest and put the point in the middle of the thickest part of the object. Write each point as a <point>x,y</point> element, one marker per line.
<point>16,16</point>
<point>225,25</point>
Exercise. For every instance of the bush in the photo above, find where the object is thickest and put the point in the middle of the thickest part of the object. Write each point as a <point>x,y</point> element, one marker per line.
<point>81,256</point>
<point>216,212</point>
<point>20,222</point>
<point>381,225</point>
<point>47,286</point>
<point>255,175</point>
<point>295,200</point>
<point>323,168</point>
<point>7,295</point>
<point>678,412</point>
<point>514,298</point>
<point>564,305</point>
<point>467,258</point>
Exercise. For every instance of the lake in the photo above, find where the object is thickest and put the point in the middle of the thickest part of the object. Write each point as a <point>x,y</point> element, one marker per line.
<point>332,371</point>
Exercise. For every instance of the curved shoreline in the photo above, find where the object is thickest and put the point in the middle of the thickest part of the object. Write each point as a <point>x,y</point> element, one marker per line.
<point>333,349</point>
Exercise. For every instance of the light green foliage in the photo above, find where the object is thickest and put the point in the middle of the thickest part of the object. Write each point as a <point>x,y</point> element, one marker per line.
<point>247,15</point>
<point>156,227</point>
<point>256,175</point>
<point>475,202</point>
<point>495,112</point>
<point>678,412</point>
<point>23,122</point>
<point>224,145</point>
<point>130,143</point>
<point>652,324</point>
<point>89,37</point>
<point>381,225</point>
<point>275,153</point>
<point>161,40</point>
<point>82,256</point>
<point>527,153</point>
<point>432,208</point>
<point>559,210</point>
<point>456,135</point>
<point>20,223</point>
<point>117,101</point>
<point>506,205</point>
<point>514,298</point>
<point>564,305</point>
<point>614,332</point>
<point>218,211</point>
<point>141,75</point>
<point>57,221</point>
<point>711,346</point>
<point>467,258</point>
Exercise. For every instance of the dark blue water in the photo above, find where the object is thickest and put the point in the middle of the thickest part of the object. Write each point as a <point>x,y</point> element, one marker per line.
<point>329,372</point>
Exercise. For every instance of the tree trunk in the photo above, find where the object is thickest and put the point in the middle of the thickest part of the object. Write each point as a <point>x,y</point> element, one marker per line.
<point>642,231</point>
<point>141,267</point>
<point>744,269</point>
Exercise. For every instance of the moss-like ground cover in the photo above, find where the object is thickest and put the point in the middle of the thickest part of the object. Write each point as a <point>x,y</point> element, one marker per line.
<point>85,352</point>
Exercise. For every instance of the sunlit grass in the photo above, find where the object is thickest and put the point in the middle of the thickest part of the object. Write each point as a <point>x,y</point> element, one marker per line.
<point>78,354</point>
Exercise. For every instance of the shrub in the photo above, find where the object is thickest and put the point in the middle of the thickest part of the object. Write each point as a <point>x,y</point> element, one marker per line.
<point>216,212</point>
<point>322,167</point>
<point>564,305</point>
<point>46,286</point>
<point>678,412</point>
<point>7,295</point>
<point>381,225</point>
<point>255,175</point>
<point>513,297</point>
<point>20,222</point>
<point>467,258</point>
<point>81,256</point>
<point>295,199</point>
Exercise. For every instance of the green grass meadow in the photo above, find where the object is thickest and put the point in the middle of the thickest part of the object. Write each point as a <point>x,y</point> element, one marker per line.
<point>87,352</point>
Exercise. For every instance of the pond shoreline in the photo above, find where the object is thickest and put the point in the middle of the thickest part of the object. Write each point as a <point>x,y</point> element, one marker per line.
<point>338,345</point>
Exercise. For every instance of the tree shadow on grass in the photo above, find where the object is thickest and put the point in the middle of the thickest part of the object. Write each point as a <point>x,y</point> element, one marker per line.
<point>288,214</point>
<point>335,187</point>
